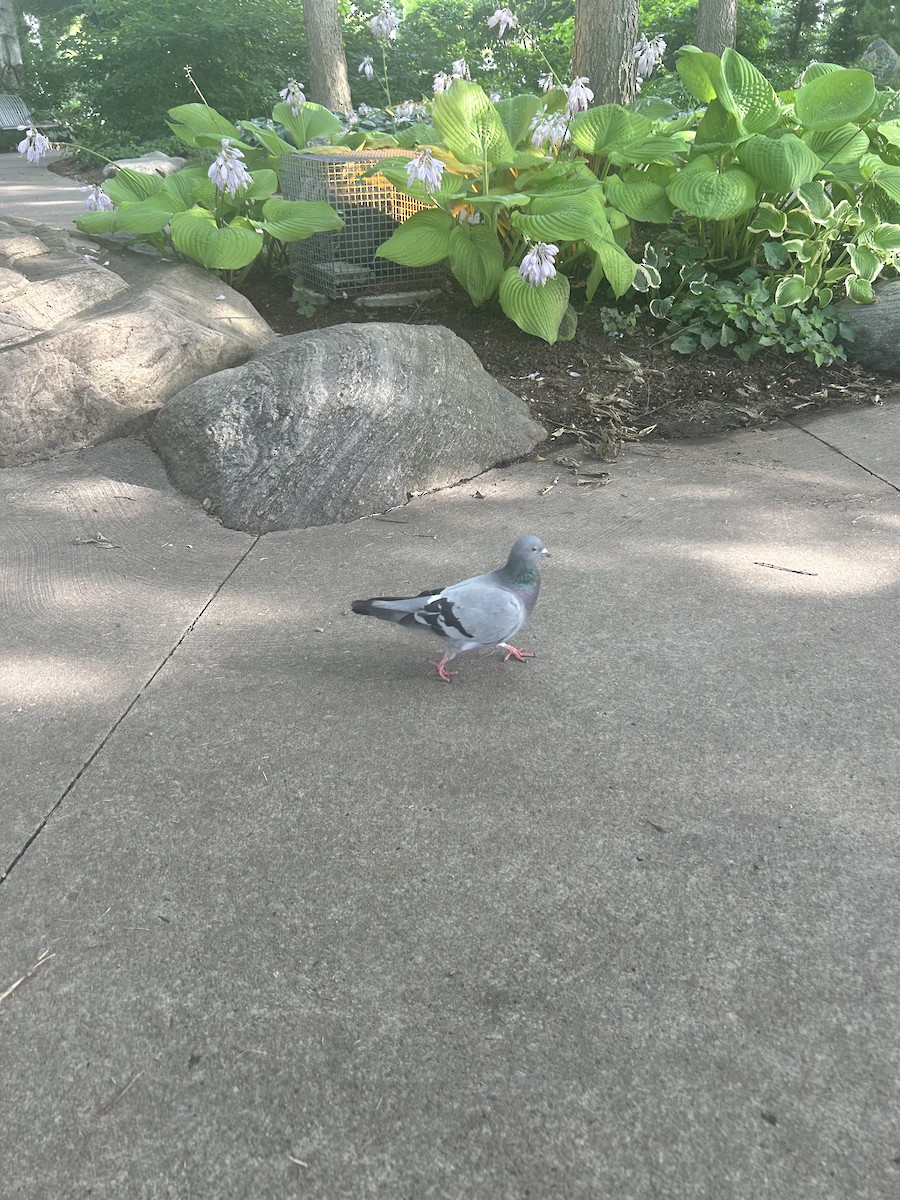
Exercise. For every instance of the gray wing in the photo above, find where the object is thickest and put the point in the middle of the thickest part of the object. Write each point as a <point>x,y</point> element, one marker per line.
<point>478,612</point>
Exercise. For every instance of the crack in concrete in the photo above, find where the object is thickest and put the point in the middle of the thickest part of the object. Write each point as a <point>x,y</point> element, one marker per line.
<point>844,454</point>
<point>118,721</point>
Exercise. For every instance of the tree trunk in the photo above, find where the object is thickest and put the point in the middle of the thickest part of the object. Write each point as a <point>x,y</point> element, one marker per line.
<point>716,25</point>
<point>12,73</point>
<point>605,33</point>
<point>325,49</point>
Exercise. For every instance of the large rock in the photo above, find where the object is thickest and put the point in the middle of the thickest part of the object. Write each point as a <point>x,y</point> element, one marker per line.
<point>330,425</point>
<point>92,343</point>
<point>876,328</point>
<point>154,162</point>
<point>883,61</point>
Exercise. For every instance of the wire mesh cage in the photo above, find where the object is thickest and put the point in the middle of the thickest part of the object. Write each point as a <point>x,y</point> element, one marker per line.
<point>343,263</point>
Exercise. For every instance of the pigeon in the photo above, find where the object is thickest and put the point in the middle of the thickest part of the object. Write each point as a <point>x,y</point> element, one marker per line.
<point>472,615</point>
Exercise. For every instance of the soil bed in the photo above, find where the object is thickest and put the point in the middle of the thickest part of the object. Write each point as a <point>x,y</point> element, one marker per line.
<point>600,385</point>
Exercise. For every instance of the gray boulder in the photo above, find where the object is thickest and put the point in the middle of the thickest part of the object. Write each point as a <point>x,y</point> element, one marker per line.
<point>93,342</point>
<point>333,424</point>
<point>154,162</point>
<point>876,328</point>
<point>883,61</point>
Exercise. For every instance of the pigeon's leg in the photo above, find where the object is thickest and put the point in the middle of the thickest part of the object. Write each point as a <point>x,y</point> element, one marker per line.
<point>513,652</point>
<point>441,664</point>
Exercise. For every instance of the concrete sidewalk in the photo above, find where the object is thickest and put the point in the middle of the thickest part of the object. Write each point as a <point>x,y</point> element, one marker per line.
<point>290,917</point>
<point>30,190</point>
<point>620,922</point>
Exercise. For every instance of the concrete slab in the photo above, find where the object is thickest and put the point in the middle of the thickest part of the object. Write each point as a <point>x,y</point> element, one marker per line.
<point>618,922</point>
<point>871,438</point>
<point>85,622</point>
<point>30,190</point>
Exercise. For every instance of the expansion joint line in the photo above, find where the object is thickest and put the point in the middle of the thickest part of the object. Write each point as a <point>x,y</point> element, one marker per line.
<point>118,721</point>
<point>868,470</point>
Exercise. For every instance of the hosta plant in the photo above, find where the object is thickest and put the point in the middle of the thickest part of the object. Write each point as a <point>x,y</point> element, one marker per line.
<point>790,183</point>
<point>226,216</point>
<point>511,213</point>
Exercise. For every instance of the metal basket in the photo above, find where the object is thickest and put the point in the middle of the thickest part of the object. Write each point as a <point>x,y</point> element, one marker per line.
<point>343,263</point>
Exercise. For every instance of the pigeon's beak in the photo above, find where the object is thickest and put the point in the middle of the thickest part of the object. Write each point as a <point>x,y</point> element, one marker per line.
<point>545,553</point>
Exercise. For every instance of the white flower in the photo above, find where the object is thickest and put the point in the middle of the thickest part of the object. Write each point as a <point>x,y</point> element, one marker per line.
<point>494,97</point>
<point>96,199</point>
<point>537,265</point>
<point>579,95</point>
<point>293,94</point>
<point>34,145</point>
<point>441,82</point>
<point>364,110</point>
<point>502,18</point>
<point>405,111</point>
<point>366,67</point>
<point>488,63</point>
<point>460,69</point>
<point>426,168</point>
<point>549,127</point>
<point>648,54</point>
<point>384,25</point>
<point>351,118</point>
<point>228,172</point>
<point>545,82</point>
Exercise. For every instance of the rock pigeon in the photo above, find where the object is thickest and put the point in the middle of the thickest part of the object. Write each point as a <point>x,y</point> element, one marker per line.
<point>472,615</point>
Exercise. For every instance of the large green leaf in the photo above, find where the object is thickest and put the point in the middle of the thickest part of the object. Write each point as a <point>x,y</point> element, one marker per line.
<point>470,126</point>
<point>887,178</point>
<point>537,310</point>
<point>420,134</point>
<point>748,94</point>
<point>780,164</point>
<point>311,121</point>
<point>476,259</point>
<point>293,220</point>
<point>846,144</point>
<point>616,265</point>
<point>421,241</point>
<point>814,70</point>
<point>144,216</point>
<point>768,219</point>
<point>701,190</point>
<point>639,197</point>
<point>559,225</point>
<point>516,113</point>
<point>196,234</point>
<point>718,129</point>
<point>96,222</point>
<point>265,184</point>
<point>607,129</point>
<point>832,100</point>
<point>187,121</point>
<point>792,290</point>
<point>701,73</point>
<point>186,184</point>
<point>140,216</point>
<point>127,185</point>
<point>816,201</point>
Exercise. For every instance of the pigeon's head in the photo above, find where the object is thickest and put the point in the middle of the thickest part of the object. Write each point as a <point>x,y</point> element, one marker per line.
<point>526,551</point>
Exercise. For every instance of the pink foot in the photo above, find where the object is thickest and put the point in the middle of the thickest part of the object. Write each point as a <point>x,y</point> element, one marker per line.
<point>513,652</point>
<point>441,664</point>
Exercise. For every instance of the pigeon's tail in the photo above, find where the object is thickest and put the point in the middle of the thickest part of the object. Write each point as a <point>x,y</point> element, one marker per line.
<point>393,608</point>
